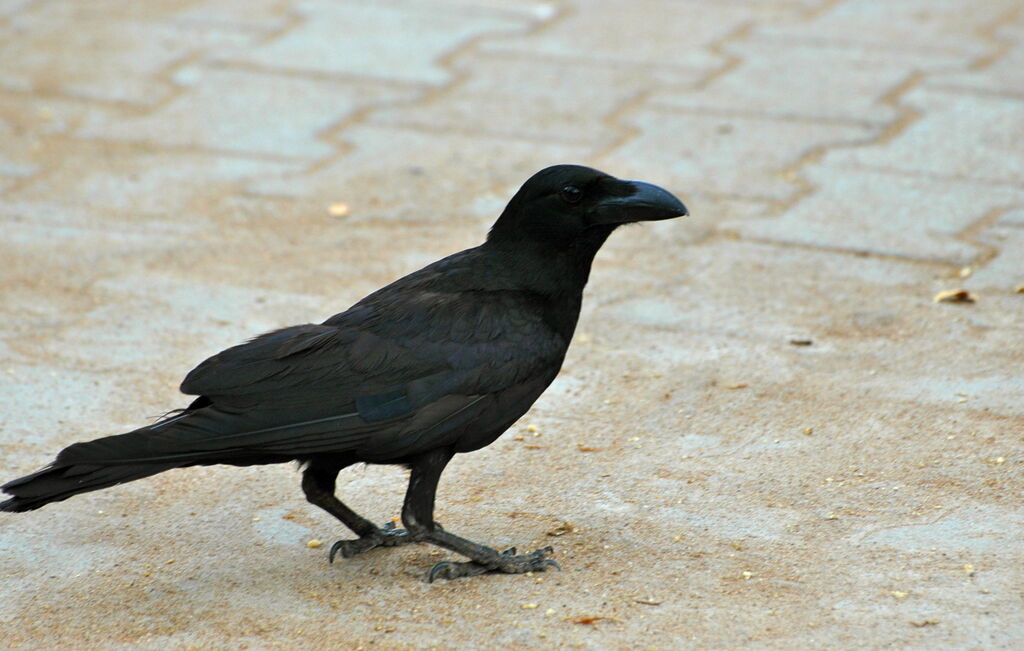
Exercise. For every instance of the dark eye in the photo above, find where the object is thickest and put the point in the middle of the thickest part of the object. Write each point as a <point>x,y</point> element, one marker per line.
<point>571,194</point>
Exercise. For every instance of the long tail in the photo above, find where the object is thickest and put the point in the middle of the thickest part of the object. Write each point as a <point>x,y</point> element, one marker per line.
<point>201,436</point>
<point>90,466</point>
<point>58,482</point>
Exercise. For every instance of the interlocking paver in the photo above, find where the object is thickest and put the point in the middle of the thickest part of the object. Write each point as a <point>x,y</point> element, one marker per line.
<point>268,114</point>
<point>657,34</point>
<point>1004,273</point>
<point>1013,218</point>
<point>526,98</point>
<point>1005,76</point>
<point>124,179</point>
<point>165,175</point>
<point>398,42</point>
<point>429,169</point>
<point>959,135</point>
<point>81,50</point>
<point>263,16</point>
<point>942,26</point>
<point>807,80</point>
<point>730,154</point>
<point>878,212</point>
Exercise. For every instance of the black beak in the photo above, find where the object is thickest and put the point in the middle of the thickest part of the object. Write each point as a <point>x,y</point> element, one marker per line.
<point>647,203</point>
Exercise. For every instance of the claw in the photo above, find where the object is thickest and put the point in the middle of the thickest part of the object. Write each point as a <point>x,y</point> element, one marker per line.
<point>451,570</point>
<point>349,548</point>
<point>506,562</point>
<point>334,550</point>
<point>386,536</point>
<point>437,570</point>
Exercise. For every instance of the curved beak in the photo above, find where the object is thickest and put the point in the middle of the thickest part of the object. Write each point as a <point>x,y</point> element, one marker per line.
<point>647,203</point>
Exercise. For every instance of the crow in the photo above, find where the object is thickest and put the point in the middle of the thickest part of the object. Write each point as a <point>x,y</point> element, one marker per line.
<point>439,362</point>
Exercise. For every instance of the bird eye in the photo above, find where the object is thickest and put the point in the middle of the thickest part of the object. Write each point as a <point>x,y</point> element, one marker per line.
<point>571,194</point>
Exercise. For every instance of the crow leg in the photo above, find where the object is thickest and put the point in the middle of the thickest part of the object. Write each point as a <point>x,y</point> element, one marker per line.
<point>418,517</point>
<point>318,484</point>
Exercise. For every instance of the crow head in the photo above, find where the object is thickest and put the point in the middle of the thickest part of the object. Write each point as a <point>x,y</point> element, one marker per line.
<point>566,204</point>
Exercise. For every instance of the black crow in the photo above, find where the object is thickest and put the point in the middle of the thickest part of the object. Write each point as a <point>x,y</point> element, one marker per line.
<point>439,362</point>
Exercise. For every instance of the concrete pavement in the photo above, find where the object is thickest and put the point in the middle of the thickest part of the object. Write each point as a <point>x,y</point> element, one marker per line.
<point>767,434</point>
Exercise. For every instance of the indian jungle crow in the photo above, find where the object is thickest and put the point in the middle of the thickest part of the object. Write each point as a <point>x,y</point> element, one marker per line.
<point>439,362</point>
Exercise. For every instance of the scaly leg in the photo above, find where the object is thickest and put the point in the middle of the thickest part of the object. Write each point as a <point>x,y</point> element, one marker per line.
<point>318,484</point>
<point>418,517</point>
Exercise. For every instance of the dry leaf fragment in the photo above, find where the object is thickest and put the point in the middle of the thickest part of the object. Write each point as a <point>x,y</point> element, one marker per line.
<point>1019,289</point>
<point>925,622</point>
<point>801,342</point>
<point>589,621</point>
<point>338,210</point>
<point>738,385</point>
<point>955,296</point>
<point>586,448</point>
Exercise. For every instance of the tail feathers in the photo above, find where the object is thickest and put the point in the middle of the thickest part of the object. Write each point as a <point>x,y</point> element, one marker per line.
<point>92,465</point>
<point>55,483</point>
<point>200,437</point>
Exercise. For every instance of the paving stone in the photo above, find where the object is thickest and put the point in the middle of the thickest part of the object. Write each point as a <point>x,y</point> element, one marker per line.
<point>672,35</point>
<point>1012,30</point>
<point>1013,218</point>
<point>80,50</point>
<point>807,80</point>
<point>75,391</point>
<point>959,135</point>
<point>15,158</point>
<point>433,167</point>
<point>248,112</point>
<point>259,15</point>
<point>29,125</point>
<point>968,530</point>
<point>844,280</point>
<point>736,155</point>
<point>1005,272</point>
<point>397,42</point>
<point>942,26</point>
<point>14,6</point>
<point>525,98</point>
<point>872,211</point>
<point>124,179</point>
<point>1005,76</point>
<point>105,331</point>
<point>164,201</point>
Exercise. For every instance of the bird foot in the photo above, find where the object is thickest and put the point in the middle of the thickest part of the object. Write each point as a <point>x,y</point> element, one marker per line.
<point>386,536</point>
<point>506,562</point>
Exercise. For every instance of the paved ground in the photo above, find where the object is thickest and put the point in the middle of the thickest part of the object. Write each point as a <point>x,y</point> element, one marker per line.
<point>166,173</point>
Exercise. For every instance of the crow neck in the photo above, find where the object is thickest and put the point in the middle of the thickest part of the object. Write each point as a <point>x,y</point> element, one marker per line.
<point>554,270</point>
